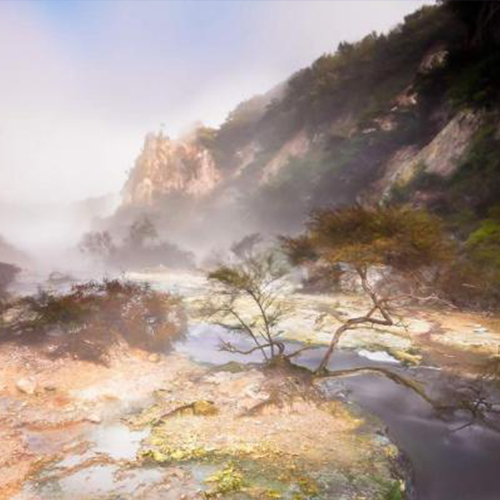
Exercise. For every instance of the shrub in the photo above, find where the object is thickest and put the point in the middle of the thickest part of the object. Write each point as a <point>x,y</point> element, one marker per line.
<point>91,317</point>
<point>484,244</point>
<point>247,300</point>
<point>476,183</point>
<point>470,285</point>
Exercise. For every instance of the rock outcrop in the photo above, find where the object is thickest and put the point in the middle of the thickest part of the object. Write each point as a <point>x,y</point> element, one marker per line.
<point>168,167</point>
<point>297,147</point>
<point>440,157</point>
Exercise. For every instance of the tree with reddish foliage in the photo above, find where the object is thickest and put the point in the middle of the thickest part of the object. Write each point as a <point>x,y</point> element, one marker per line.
<point>402,239</point>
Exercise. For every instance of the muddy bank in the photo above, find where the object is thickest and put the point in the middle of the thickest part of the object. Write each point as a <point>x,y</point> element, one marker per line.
<point>87,430</point>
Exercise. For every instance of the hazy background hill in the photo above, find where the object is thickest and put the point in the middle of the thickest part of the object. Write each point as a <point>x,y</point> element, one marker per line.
<point>408,116</point>
<point>41,233</point>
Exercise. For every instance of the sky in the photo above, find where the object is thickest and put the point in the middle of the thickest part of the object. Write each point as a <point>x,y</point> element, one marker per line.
<point>82,82</point>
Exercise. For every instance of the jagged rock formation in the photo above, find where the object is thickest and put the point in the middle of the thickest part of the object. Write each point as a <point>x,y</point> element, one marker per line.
<point>165,167</point>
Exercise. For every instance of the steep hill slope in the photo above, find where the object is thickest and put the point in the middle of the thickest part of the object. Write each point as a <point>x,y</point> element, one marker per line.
<point>410,116</point>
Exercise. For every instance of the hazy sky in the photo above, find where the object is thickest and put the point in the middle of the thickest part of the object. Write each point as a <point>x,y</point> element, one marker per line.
<point>82,82</point>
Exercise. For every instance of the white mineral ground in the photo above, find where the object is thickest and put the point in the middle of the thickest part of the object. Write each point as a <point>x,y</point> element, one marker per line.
<point>49,408</point>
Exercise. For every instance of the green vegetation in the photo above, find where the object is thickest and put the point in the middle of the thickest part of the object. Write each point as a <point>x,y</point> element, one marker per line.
<point>290,191</point>
<point>476,183</point>
<point>404,239</point>
<point>91,317</point>
<point>421,181</point>
<point>482,20</point>
<point>240,125</point>
<point>362,81</point>
<point>483,244</point>
<point>227,480</point>
<point>476,82</point>
<point>358,84</point>
<point>470,78</point>
<point>394,492</point>
<point>467,202</point>
<point>385,63</point>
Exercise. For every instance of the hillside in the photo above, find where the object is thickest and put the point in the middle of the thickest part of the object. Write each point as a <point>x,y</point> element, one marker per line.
<point>408,117</point>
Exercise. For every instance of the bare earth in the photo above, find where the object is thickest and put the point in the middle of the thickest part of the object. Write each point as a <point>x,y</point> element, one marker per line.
<point>49,407</point>
<point>72,397</point>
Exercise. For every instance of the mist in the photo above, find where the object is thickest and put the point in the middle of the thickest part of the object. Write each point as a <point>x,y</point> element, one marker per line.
<point>83,82</point>
<point>249,249</point>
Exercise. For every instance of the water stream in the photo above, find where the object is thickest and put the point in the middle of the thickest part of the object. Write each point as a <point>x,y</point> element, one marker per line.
<point>446,464</point>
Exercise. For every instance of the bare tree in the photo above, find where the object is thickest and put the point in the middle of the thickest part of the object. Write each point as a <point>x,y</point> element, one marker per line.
<point>97,244</point>
<point>247,300</point>
<point>141,232</point>
<point>245,248</point>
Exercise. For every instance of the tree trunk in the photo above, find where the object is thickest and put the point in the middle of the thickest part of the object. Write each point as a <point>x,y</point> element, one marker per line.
<point>351,323</point>
<point>333,344</point>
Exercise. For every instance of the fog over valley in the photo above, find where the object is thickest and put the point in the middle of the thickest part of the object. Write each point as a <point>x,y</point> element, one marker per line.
<point>249,250</point>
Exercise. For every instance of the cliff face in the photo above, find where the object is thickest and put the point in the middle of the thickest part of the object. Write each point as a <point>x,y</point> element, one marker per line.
<point>406,116</point>
<point>440,157</point>
<point>167,167</point>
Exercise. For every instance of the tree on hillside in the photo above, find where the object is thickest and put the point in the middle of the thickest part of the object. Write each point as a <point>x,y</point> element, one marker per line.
<point>97,244</point>
<point>140,232</point>
<point>245,247</point>
<point>401,239</point>
<point>482,19</point>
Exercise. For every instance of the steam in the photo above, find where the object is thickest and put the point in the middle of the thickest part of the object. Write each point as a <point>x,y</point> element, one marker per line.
<point>82,82</point>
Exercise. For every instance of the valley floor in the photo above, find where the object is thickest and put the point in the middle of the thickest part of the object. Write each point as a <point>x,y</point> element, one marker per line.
<point>50,410</point>
<point>200,431</point>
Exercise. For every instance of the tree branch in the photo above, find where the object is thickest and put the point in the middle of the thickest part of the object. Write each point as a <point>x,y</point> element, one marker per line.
<point>301,350</point>
<point>227,346</point>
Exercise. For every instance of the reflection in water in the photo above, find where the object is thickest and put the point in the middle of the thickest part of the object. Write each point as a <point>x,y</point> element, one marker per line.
<point>447,465</point>
<point>99,480</point>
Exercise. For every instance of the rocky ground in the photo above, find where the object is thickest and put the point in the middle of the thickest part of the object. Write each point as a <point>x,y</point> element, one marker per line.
<point>192,431</point>
<point>188,413</point>
<point>46,406</point>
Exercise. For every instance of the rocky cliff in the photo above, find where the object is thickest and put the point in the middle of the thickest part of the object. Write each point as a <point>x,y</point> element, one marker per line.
<point>409,116</point>
<point>166,167</point>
